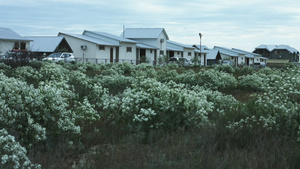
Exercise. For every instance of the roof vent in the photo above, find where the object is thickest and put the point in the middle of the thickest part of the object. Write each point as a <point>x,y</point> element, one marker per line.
<point>162,40</point>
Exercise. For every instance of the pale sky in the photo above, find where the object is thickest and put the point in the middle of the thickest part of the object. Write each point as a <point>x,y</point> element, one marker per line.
<point>243,24</point>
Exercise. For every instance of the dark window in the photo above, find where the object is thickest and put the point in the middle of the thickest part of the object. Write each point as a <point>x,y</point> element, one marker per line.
<point>129,49</point>
<point>151,51</point>
<point>189,53</point>
<point>101,47</point>
<point>161,52</point>
<point>16,45</point>
<point>23,46</point>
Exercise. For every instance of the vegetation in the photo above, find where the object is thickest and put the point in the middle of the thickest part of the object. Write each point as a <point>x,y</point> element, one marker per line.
<point>69,115</point>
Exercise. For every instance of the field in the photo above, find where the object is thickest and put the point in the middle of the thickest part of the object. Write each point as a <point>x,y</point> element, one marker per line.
<point>125,116</point>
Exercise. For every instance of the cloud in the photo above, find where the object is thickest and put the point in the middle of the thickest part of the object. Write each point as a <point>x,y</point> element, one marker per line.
<point>232,23</point>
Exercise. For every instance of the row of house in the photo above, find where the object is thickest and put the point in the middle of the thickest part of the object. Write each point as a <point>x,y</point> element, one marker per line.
<point>136,45</point>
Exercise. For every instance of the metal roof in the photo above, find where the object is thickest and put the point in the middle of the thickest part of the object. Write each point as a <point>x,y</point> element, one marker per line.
<point>247,54</point>
<point>202,51</point>
<point>211,53</point>
<point>227,51</point>
<point>173,43</point>
<point>267,47</point>
<point>270,48</point>
<point>144,46</point>
<point>203,47</point>
<point>8,34</point>
<point>88,38</point>
<point>111,36</point>
<point>44,43</point>
<point>172,48</point>
<point>286,47</point>
<point>143,33</point>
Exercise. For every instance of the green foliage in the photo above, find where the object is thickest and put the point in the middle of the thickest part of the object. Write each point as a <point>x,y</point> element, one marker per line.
<point>44,105</point>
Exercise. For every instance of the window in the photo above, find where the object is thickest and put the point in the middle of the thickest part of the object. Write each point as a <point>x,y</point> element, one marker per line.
<point>101,47</point>
<point>161,52</point>
<point>189,53</point>
<point>151,51</point>
<point>129,49</point>
<point>178,53</point>
<point>16,45</point>
<point>23,46</point>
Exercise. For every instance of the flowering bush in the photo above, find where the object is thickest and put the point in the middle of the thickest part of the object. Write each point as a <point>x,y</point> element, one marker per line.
<point>13,155</point>
<point>52,104</point>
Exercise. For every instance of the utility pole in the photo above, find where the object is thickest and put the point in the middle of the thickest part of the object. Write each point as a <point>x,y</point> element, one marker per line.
<point>200,35</point>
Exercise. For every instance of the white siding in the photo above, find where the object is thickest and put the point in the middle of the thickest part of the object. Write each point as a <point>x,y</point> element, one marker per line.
<point>80,54</point>
<point>186,53</point>
<point>6,46</point>
<point>127,56</point>
<point>162,46</point>
<point>149,54</point>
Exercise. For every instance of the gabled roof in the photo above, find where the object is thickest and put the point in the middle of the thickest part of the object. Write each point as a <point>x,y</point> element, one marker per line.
<point>173,43</point>
<point>88,38</point>
<point>172,48</point>
<point>144,46</point>
<point>202,51</point>
<point>211,53</point>
<point>8,34</point>
<point>111,36</point>
<point>227,51</point>
<point>267,47</point>
<point>247,54</point>
<point>270,48</point>
<point>44,43</point>
<point>143,33</point>
<point>286,47</point>
<point>203,47</point>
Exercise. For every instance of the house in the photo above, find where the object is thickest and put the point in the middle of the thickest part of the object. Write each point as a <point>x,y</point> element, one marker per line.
<point>278,52</point>
<point>213,56</point>
<point>228,54</point>
<point>154,37</point>
<point>252,57</point>
<point>89,49</point>
<point>202,53</point>
<point>11,41</point>
<point>124,49</point>
<point>239,57</point>
<point>175,49</point>
<point>42,46</point>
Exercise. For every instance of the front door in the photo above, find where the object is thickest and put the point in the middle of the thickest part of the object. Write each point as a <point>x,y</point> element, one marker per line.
<point>143,55</point>
<point>111,55</point>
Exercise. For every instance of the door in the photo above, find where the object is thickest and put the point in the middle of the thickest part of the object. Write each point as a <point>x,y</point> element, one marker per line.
<point>111,55</point>
<point>143,55</point>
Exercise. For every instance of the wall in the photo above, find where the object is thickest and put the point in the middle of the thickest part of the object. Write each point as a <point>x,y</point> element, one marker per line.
<point>127,55</point>
<point>80,54</point>
<point>186,51</point>
<point>7,46</point>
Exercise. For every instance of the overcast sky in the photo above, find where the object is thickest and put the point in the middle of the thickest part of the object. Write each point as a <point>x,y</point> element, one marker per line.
<point>243,24</point>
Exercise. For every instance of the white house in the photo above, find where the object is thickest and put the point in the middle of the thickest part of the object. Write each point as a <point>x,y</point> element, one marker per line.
<point>175,49</point>
<point>252,57</point>
<point>124,49</point>
<point>89,49</point>
<point>11,41</point>
<point>202,53</point>
<point>227,54</point>
<point>213,56</point>
<point>240,57</point>
<point>153,37</point>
